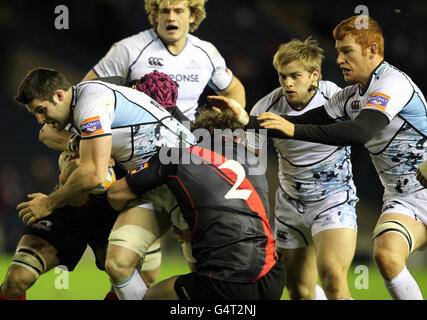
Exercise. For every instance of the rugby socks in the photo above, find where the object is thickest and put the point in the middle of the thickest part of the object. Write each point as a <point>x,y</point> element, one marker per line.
<point>319,294</point>
<point>403,287</point>
<point>133,288</point>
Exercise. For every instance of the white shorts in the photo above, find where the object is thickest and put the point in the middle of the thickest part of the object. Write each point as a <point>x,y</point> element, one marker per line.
<point>298,221</point>
<point>413,205</point>
<point>160,199</point>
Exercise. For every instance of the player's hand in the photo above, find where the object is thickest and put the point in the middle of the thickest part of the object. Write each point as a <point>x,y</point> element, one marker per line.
<point>221,103</point>
<point>53,138</point>
<point>274,121</point>
<point>34,209</point>
<point>422,174</point>
<point>182,235</point>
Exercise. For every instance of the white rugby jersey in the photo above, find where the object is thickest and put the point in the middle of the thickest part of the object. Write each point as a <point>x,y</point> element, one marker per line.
<point>307,171</point>
<point>398,149</point>
<point>197,65</point>
<point>139,125</point>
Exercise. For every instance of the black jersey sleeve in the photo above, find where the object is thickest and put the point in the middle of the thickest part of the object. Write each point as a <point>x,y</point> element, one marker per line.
<point>357,131</point>
<point>151,174</point>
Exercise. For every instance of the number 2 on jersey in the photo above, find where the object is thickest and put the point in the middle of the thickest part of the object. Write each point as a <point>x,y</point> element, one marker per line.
<point>238,169</point>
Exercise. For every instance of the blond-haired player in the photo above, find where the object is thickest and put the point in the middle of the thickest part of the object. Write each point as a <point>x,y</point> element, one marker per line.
<point>386,112</point>
<point>170,47</point>
<point>315,217</point>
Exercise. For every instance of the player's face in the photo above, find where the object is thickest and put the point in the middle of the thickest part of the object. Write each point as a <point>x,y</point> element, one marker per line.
<point>353,60</point>
<point>173,22</point>
<point>56,114</point>
<point>296,81</point>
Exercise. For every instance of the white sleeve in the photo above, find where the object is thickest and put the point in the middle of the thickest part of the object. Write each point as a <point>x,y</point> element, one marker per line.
<point>94,113</point>
<point>221,75</point>
<point>389,96</point>
<point>115,63</point>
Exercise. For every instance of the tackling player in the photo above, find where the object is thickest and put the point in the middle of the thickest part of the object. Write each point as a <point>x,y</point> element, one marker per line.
<point>386,112</point>
<point>225,215</point>
<point>170,47</point>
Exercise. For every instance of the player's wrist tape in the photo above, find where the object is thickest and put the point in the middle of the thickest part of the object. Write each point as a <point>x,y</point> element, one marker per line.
<point>74,143</point>
<point>243,118</point>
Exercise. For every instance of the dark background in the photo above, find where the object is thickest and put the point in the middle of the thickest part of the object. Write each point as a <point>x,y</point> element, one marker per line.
<point>246,32</point>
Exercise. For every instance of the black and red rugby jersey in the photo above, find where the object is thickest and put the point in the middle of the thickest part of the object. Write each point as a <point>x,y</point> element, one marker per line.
<point>226,208</point>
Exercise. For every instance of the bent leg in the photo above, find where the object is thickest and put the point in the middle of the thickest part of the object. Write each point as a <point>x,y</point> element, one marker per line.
<point>391,250</point>
<point>133,233</point>
<point>335,250</point>
<point>20,276</point>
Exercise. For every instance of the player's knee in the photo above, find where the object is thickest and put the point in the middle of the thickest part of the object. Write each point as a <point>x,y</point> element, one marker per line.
<point>389,262</point>
<point>300,291</point>
<point>17,281</point>
<point>118,269</point>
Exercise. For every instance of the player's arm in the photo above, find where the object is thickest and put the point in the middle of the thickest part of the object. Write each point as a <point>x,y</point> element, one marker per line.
<point>94,161</point>
<point>235,91</point>
<point>150,175</point>
<point>357,131</point>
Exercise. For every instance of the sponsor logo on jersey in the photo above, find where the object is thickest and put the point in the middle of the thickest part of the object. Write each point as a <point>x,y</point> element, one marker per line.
<point>155,62</point>
<point>193,64</point>
<point>185,77</point>
<point>378,100</point>
<point>91,126</point>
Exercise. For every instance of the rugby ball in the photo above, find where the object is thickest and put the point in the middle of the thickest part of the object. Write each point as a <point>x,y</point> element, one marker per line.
<point>109,180</point>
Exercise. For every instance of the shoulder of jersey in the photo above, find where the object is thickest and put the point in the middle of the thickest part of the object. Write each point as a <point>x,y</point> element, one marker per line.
<point>395,76</point>
<point>328,88</point>
<point>139,40</point>
<point>205,45</point>
<point>267,101</point>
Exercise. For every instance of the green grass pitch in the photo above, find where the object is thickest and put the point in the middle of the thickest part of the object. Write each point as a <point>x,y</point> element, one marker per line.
<point>86,282</point>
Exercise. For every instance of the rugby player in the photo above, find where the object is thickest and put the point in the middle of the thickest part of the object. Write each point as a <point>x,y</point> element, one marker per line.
<point>170,47</point>
<point>100,112</point>
<point>386,112</point>
<point>225,217</point>
<point>315,219</point>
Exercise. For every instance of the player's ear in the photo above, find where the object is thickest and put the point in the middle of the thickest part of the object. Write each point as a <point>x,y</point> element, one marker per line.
<point>372,49</point>
<point>59,95</point>
<point>315,75</point>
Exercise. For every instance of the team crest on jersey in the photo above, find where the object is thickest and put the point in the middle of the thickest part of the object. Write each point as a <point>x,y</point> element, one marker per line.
<point>91,126</point>
<point>378,100</point>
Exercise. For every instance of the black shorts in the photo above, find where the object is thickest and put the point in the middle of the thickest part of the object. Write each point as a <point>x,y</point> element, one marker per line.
<point>70,230</point>
<point>194,286</point>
